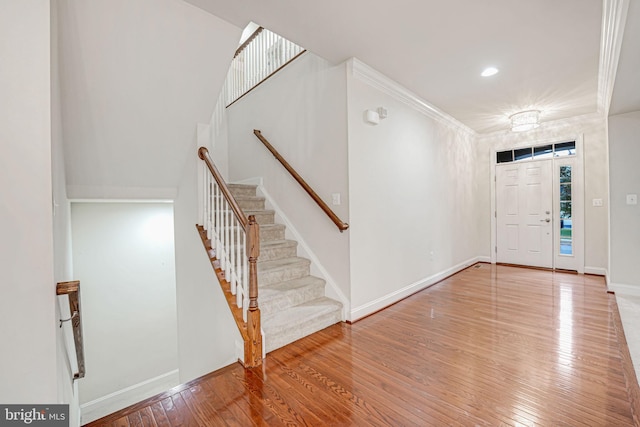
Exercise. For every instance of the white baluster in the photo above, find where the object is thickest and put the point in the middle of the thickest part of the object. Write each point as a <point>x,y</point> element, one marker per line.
<point>228,214</point>
<point>205,198</point>
<point>232,267</point>
<point>238,254</point>
<point>223,240</point>
<point>245,275</point>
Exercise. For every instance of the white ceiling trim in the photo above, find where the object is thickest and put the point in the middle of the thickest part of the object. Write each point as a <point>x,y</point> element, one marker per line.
<point>374,78</point>
<point>614,17</point>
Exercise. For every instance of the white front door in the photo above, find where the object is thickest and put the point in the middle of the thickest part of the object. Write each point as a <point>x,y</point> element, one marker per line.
<point>524,206</point>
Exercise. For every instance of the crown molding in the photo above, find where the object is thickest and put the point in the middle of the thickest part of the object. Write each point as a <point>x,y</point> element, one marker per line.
<point>614,17</point>
<point>374,78</point>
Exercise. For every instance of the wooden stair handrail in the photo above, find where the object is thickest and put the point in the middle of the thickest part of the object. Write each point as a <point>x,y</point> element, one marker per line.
<point>251,331</point>
<point>72,289</point>
<point>327,210</point>
<point>244,45</point>
<point>203,153</point>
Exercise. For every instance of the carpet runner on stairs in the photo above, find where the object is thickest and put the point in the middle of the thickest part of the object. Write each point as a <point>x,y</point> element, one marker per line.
<point>292,302</point>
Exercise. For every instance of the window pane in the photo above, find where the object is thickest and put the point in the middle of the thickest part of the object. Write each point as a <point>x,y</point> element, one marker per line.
<point>564,149</point>
<point>565,192</point>
<point>565,174</point>
<point>522,154</point>
<point>543,151</point>
<point>566,237</point>
<point>505,156</point>
<point>565,211</point>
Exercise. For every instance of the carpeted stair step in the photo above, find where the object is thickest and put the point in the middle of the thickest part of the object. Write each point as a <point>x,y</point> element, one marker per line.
<point>268,232</point>
<point>250,202</point>
<point>239,190</point>
<point>287,326</point>
<point>263,216</point>
<point>282,295</point>
<point>277,249</point>
<point>280,270</point>
<point>272,249</point>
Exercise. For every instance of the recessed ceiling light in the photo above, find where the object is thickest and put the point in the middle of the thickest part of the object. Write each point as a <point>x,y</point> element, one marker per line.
<point>490,71</point>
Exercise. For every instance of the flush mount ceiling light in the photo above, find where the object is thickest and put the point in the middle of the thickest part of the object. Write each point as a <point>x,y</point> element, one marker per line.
<point>489,71</point>
<point>525,120</point>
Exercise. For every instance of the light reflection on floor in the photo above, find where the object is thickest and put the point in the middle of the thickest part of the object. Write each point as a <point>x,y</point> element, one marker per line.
<point>629,307</point>
<point>565,331</point>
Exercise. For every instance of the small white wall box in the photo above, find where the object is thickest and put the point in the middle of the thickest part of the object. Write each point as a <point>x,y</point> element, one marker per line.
<point>371,117</point>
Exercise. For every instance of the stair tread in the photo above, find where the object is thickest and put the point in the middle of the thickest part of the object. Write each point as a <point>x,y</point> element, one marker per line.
<point>283,243</point>
<point>248,212</point>
<point>280,264</point>
<point>271,244</point>
<point>293,317</point>
<point>272,226</point>
<point>268,292</point>
<point>230,185</point>
<point>256,198</point>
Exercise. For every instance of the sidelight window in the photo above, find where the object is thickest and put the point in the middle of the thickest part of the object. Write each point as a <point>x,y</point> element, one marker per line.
<point>566,205</point>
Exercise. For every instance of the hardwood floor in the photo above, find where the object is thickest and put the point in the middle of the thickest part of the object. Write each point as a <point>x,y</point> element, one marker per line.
<point>492,345</point>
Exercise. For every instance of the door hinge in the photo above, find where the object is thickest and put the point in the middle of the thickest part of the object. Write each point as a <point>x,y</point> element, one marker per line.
<point>495,214</point>
<point>496,248</point>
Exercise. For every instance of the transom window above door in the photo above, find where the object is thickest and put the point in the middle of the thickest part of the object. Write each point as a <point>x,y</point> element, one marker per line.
<point>548,151</point>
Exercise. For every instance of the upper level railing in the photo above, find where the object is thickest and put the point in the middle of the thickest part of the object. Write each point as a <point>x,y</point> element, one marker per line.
<point>235,241</point>
<point>325,208</point>
<point>258,58</point>
<point>72,289</point>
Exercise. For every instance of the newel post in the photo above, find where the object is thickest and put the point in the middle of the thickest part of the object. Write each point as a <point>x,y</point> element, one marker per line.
<point>253,347</point>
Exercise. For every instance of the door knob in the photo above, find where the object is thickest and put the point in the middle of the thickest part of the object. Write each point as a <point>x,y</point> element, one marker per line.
<point>546,220</point>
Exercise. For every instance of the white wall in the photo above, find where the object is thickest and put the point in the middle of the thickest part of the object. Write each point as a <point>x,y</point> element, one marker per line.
<point>596,176</point>
<point>123,255</point>
<point>136,78</point>
<point>28,368</point>
<point>207,333</point>
<point>413,201</point>
<point>624,152</point>
<point>302,112</point>
<point>63,268</point>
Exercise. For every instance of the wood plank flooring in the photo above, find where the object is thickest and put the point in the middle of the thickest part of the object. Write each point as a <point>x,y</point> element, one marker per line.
<point>491,345</point>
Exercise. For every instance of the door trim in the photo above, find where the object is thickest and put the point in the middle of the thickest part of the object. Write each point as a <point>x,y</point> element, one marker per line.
<point>579,193</point>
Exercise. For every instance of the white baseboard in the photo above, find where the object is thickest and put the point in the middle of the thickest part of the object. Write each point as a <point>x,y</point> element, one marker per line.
<point>333,290</point>
<point>625,289</point>
<point>120,399</point>
<point>486,259</point>
<point>389,299</point>
<point>598,271</point>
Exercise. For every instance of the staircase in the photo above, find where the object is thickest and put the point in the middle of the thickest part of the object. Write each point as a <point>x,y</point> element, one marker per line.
<point>292,302</point>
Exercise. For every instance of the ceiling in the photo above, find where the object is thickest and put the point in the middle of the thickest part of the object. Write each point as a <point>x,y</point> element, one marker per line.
<point>548,51</point>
